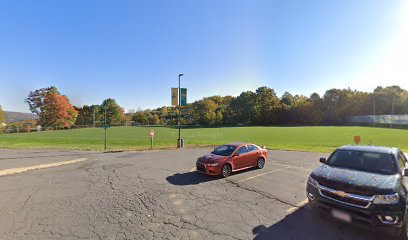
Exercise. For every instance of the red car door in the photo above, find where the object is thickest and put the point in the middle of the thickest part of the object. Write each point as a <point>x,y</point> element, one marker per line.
<point>253,155</point>
<point>240,160</point>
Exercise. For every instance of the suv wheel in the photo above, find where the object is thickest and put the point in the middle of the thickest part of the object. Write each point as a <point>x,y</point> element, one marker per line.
<point>404,232</point>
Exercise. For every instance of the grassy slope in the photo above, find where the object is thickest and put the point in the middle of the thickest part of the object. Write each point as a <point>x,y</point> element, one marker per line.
<point>321,139</point>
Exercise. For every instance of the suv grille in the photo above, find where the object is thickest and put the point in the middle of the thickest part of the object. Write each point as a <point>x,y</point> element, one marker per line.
<point>346,198</point>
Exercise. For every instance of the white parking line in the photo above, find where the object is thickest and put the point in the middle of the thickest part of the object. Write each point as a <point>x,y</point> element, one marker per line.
<point>276,170</point>
<point>193,169</point>
<point>299,205</point>
<point>307,169</point>
<point>42,166</point>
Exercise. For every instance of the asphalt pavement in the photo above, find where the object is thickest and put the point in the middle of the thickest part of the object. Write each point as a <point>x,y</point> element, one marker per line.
<point>157,195</point>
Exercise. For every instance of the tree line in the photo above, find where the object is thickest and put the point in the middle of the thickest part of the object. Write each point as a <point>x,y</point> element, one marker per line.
<point>260,107</point>
<point>55,110</point>
<point>264,107</point>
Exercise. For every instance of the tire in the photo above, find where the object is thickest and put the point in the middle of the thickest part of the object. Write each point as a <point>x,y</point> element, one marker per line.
<point>403,232</point>
<point>261,163</point>
<point>312,205</point>
<point>226,170</point>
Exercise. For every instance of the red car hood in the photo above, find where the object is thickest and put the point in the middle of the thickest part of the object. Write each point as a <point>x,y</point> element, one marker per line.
<point>209,158</point>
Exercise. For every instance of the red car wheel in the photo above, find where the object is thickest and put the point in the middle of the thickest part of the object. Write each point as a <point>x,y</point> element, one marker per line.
<point>261,163</point>
<point>226,170</point>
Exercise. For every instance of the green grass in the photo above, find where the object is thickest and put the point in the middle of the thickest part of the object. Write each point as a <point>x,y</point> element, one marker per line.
<point>319,139</point>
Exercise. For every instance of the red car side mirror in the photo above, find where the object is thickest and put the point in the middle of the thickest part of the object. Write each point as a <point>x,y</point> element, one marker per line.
<point>235,155</point>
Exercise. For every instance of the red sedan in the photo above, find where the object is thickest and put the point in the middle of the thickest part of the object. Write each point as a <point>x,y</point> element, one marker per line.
<point>231,158</point>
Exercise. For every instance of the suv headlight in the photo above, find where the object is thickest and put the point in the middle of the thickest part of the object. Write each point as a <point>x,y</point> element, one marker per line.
<point>312,182</point>
<point>212,164</point>
<point>386,199</point>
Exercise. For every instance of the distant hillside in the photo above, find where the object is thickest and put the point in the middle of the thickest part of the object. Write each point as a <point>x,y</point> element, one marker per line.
<point>18,116</point>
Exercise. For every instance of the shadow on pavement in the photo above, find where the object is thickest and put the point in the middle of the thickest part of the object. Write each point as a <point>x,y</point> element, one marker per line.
<point>305,224</point>
<point>189,178</point>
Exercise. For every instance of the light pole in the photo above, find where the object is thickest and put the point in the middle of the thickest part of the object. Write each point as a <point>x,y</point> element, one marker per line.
<point>179,144</point>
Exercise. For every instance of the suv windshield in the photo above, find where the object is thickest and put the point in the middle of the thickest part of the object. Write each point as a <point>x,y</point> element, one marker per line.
<point>381,163</point>
<point>224,150</point>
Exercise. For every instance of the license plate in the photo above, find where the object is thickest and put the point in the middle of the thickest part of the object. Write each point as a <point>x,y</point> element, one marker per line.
<point>341,215</point>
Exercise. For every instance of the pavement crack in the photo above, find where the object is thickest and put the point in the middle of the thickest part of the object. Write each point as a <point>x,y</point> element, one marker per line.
<point>242,186</point>
<point>30,196</point>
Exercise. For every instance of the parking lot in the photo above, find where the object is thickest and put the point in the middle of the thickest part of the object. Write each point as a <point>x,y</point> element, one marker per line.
<point>158,195</point>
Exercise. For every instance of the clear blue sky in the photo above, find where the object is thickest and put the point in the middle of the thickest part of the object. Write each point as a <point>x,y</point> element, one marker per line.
<point>133,50</point>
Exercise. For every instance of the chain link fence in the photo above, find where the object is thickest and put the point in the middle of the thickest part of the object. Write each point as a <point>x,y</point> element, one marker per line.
<point>387,119</point>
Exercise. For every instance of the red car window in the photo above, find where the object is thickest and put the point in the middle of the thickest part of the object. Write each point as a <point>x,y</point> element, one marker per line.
<point>242,150</point>
<point>252,148</point>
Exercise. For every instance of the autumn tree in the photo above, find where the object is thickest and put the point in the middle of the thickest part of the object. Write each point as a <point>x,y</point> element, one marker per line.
<point>57,112</point>
<point>2,116</point>
<point>36,99</point>
<point>2,120</point>
<point>53,109</point>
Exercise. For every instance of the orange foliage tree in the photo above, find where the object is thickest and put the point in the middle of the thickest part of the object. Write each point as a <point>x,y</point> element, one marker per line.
<point>57,111</point>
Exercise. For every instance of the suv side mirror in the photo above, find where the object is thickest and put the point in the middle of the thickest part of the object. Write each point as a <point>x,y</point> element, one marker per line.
<point>405,172</point>
<point>235,155</point>
<point>323,160</point>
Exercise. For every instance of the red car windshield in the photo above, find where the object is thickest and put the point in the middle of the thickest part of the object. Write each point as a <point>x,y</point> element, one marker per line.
<point>224,150</point>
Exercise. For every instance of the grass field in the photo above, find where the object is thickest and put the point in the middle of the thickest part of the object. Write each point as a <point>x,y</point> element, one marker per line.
<point>319,139</point>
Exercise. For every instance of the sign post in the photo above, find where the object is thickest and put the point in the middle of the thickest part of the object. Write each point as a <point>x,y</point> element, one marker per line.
<point>106,134</point>
<point>151,138</point>
<point>105,126</point>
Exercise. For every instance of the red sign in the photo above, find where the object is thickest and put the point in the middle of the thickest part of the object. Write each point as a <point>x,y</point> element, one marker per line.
<point>151,133</point>
<point>357,139</point>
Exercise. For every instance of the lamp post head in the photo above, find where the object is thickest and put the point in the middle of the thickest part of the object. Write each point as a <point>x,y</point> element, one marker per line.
<point>180,75</point>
